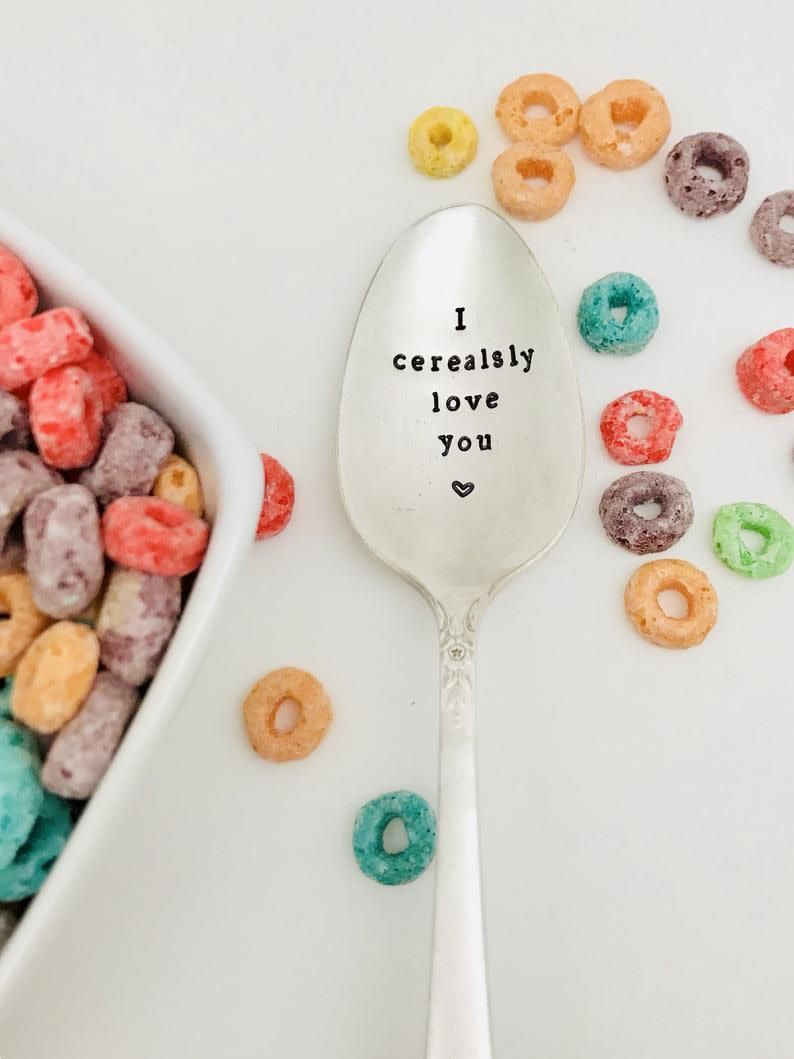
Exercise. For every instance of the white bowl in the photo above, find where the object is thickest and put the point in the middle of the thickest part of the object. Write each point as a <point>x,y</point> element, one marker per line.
<point>231,477</point>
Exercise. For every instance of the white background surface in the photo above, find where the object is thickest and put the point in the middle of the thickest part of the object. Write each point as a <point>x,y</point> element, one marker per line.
<point>234,172</point>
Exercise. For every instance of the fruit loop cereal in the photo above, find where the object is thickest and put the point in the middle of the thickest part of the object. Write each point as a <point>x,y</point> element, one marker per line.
<point>618,511</point>
<point>31,865</point>
<point>22,476</point>
<point>66,417</point>
<point>179,482</point>
<point>769,239</point>
<point>394,869</point>
<point>279,498</point>
<point>20,793</point>
<point>55,676</point>
<point>631,449</point>
<point>599,326</point>
<point>154,535</point>
<point>112,387</point>
<point>18,297</point>
<point>31,347</point>
<point>777,552</point>
<point>629,103</point>
<point>65,559</point>
<point>136,621</point>
<point>83,749</point>
<point>764,372</point>
<point>645,612</point>
<point>545,90</point>
<point>262,705</point>
<point>512,173</point>
<point>696,194</point>
<point>442,141</point>
<point>136,443</point>
<point>24,622</point>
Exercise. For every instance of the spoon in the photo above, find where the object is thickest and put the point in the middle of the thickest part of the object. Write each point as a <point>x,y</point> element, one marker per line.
<point>461,451</point>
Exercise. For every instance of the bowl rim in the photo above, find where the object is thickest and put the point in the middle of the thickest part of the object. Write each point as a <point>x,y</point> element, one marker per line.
<point>239,490</point>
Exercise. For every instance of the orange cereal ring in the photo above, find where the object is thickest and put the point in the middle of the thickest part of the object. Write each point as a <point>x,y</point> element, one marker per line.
<point>515,167</point>
<point>633,103</point>
<point>641,600</point>
<point>262,704</point>
<point>178,482</point>
<point>549,91</point>
<point>55,676</point>
<point>23,623</point>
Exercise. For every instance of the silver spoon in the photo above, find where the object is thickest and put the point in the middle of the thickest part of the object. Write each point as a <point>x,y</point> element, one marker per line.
<point>458,468</point>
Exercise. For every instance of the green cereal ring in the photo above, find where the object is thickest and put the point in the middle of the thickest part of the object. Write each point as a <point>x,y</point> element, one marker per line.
<point>21,794</point>
<point>601,330</point>
<point>778,551</point>
<point>393,869</point>
<point>31,866</point>
<point>6,687</point>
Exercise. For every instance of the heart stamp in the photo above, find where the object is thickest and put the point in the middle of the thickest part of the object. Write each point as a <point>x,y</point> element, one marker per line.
<point>463,488</point>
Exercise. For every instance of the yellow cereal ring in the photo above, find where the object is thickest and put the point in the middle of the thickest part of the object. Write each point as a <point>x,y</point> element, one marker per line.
<point>515,167</point>
<point>24,622</point>
<point>631,102</point>
<point>550,91</point>
<point>178,481</point>
<point>55,676</point>
<point>442,141</point>
<point>261,706</point>
<point>641,600</point>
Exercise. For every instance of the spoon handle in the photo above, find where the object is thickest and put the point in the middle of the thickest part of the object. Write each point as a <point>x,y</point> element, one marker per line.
<point>458,1025</point>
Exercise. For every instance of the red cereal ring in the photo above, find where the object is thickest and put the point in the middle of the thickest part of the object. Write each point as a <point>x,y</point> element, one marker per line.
<point>279,498</point>
<point>66,417</point>
<point>765,372</point>
<point>18,297</point>
<point>29,348</point>
<point>155,536</point>
<point>111,385</point>
<point>630,449</point>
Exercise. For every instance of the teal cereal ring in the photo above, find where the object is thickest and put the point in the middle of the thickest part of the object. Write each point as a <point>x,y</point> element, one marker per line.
<point>394,869</point>
<point>21,794</point>
<point>777,552</point>
<point>31,866</point>
<point>6,687</point>
<point>602,330</point>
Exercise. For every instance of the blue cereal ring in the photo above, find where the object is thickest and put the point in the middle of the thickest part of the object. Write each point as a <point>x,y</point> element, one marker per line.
<point>393,869</point>
<point>21,794</point>
<point>6,687</point>
<point>601,330</point>
<point>31,866</point>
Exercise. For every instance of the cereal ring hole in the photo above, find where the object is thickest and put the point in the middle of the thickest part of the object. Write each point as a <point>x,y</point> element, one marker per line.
<point>440,135</point>
<point>535,171</point>
<point>648,510</point>
<point>674,603</point>
<point>539,105</point>
<point>286,716</point>
<point>786,223</point>
<point>394,837</point>
<point>639,426</point>
<point>627,115</point>
<point>754,539</point>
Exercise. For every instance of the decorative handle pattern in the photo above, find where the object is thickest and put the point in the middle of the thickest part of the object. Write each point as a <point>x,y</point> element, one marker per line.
<point>458,1024</point>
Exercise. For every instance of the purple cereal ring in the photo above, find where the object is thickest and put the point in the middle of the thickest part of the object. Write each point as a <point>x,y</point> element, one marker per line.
<point>645,535</point>
<point>81,752</point>
<point>694,193</point>
<point>22,476</point>
<point>136,621</point>
<point>14,422</point>
<point>136,442</point>
<point>769,239</point>
<point>65,559</point>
